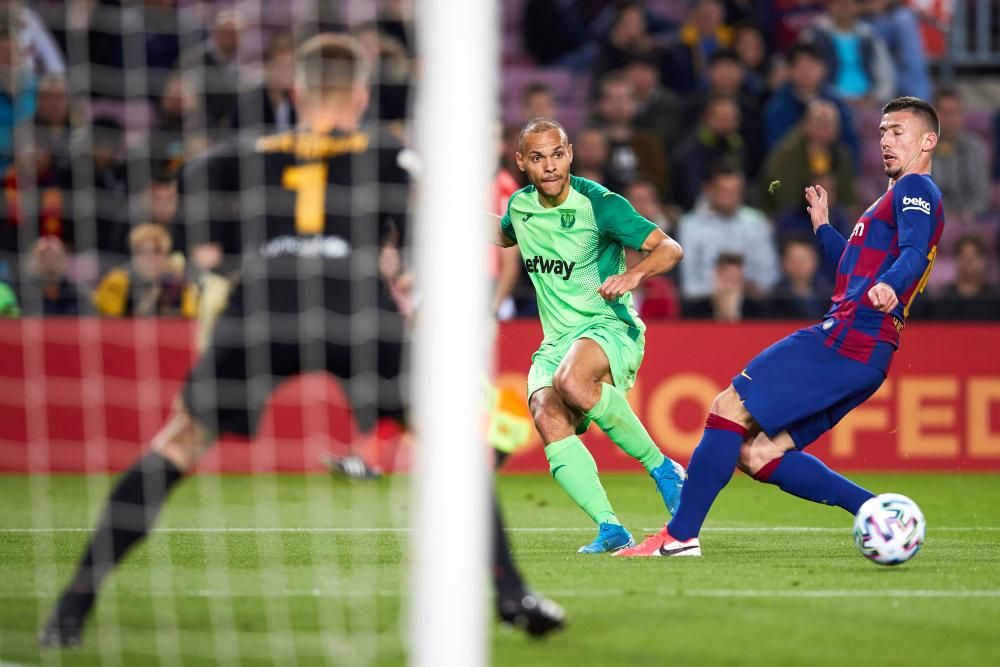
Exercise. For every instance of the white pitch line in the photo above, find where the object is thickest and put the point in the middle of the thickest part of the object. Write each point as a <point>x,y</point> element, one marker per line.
<point>570,529</point>
<point>603,593</point>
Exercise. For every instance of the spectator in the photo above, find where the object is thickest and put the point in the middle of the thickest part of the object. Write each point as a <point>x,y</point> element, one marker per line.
<point>686,64</point>
<point>52,121</point>
<point>787,105</point>
<point>41,52</point>
<point>727,77</point>
<point>17,92</point>
<point>100,190</point>
<point>546,45</point>
<point>801,294</point>
<point>268,106</point>
<point>715,140</point>
<point>960,160</point>
<point>41,200</point>
<point>159,204</point>
<point>511,138</point>
<point>161,26</point>
<point>729,300</point>
<point>537,101</point>
<point>659,109</point>
<point>8,301</point>
<point>505,263</point>
<point>148,286</point>
<point>857,63</point>
<point>656,298</point>
<point>89,36</point>
<point>723,224</point>
<point>628,38</point>
<point>970,297</point>
<point>46,290</point>
<point>794,221</point>
<point>175,135</point>
<point>807,153</point>
<point>748,44</point>
<point>641,193</point>
<point>632,151</point>
<point>743,12</point>
<point>391,78</point>
<point>590,157</point>
<point>787,19</point>
<point>213,68</point>
<point>898,27</point>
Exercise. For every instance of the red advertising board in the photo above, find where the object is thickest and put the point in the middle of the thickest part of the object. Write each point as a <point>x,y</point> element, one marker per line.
<point>87,395</point>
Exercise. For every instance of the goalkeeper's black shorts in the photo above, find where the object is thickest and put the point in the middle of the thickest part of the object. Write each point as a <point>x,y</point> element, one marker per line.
<point>253,351</point>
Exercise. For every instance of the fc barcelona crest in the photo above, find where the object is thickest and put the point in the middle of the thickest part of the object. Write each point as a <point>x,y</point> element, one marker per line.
<point>567,217</point>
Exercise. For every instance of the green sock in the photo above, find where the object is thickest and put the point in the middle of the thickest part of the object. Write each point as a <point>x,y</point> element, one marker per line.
<point>575,470</point>
<point>614,416</point>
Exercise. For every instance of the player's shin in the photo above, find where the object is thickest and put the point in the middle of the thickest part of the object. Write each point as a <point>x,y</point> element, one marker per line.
<point>575,470</point>
<point>615,417</point>
<point>129,514</point>
<point>506,578</point>
<point>712,465</point>
<point>805,476</point>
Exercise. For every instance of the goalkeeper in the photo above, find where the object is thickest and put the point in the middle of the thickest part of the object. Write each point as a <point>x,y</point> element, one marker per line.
<point>572,233</point>
<point>307,275</point>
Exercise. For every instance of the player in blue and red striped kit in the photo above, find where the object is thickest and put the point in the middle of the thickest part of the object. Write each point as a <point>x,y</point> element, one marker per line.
<point>801,386</point>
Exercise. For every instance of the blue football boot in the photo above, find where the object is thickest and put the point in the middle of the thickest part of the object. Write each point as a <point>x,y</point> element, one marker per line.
<point>610,538</point>
<point>669,478</point>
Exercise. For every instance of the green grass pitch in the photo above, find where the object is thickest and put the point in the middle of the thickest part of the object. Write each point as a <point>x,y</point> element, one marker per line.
<point>780,582</point>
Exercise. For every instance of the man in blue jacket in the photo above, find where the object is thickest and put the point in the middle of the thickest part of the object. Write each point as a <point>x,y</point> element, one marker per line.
<point>806,77</point>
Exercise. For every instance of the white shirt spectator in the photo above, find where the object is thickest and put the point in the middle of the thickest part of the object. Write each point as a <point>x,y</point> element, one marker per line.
<point>706,232</point>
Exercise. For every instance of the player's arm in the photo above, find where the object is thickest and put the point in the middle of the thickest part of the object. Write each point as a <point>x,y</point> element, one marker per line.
<point>503,235</point>
<point>662,254</point>
<point>830,240</point>
<point>617,218</point>
<point>914,222</point>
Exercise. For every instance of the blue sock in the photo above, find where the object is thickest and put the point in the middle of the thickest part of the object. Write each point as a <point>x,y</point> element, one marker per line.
<point>711,467</point>
<point>805,476</point>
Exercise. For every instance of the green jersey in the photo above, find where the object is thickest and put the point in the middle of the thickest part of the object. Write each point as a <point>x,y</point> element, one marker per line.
<point>571,249</point>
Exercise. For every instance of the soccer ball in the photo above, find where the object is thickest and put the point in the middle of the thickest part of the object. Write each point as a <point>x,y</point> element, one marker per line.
<point>889,529</point>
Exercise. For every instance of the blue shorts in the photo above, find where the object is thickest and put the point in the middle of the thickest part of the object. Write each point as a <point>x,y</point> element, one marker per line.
<point>801,386</point>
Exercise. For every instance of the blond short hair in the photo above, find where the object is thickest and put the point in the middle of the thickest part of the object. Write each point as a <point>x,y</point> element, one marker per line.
<point>150,232</point>
<point>332,62</point>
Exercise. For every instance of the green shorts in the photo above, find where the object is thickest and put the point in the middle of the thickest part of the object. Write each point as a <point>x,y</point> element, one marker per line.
<point>624,354</point>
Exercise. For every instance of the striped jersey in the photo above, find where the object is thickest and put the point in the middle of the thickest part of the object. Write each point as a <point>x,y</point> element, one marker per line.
<point>894,242</point>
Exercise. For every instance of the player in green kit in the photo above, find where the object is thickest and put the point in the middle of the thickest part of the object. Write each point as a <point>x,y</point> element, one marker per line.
<point>572,234</point>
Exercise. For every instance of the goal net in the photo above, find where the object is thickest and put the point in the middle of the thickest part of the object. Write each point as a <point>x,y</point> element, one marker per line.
<point>159,210</point>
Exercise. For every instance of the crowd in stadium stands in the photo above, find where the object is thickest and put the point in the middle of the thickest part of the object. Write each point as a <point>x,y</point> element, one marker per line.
<point>710,116</point>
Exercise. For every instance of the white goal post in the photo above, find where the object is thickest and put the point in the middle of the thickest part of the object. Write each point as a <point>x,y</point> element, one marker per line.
<point>455,112</point>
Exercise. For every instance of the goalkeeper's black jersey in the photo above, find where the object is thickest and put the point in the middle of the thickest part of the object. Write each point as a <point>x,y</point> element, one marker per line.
<point>304,214</point>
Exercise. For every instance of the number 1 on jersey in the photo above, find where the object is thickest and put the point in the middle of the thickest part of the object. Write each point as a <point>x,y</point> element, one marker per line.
<point>309,183</point>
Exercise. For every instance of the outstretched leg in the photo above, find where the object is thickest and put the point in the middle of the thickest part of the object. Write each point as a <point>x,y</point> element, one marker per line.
<point>712,465</point>
<point>128,515</point>
<point>778,462</point>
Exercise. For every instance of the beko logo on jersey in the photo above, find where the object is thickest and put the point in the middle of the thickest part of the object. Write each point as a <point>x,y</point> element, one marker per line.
<point>557,267</point>
<point>327,247</point>
<point>916,204</point>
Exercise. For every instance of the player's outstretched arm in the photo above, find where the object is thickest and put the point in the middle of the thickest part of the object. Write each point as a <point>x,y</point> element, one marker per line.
<point>818,207</point>
<point>664,254</point>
